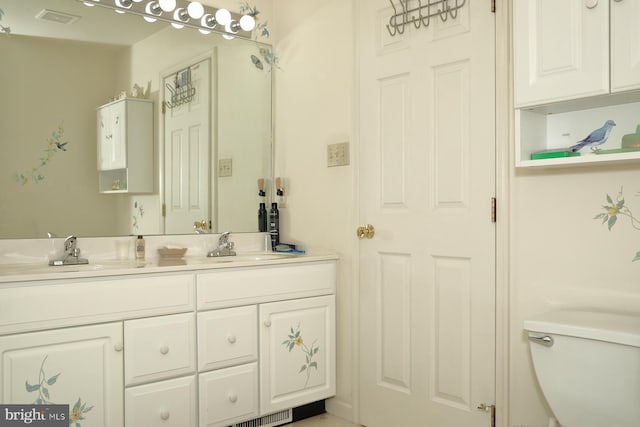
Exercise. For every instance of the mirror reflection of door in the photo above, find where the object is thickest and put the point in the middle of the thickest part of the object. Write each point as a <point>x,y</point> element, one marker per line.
<point>187,130</point>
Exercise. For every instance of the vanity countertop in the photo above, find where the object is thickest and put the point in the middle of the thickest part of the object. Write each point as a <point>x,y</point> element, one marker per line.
<point>11,273</point>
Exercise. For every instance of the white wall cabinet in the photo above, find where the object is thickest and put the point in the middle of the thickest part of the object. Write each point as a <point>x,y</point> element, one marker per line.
<point>125,146</point>
<point>561,50</point>
<point>185,349</point>
<point>571,49</point>
<point>576,64</point>
<point>79,366</point>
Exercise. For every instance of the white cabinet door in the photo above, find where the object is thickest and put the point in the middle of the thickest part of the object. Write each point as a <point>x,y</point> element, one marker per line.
<point>560,50</point>
<point>297,352</point>
<point>81,367</point>
<point>112,151</point>
<point>625,45</point>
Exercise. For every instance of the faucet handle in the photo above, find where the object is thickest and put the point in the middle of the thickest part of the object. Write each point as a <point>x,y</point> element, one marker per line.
<point>224,238</point>
<point>70,243</point>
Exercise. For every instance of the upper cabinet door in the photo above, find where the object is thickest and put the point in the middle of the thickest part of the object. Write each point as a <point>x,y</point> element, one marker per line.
<point>625,45</point>
<point>561,50</point>
<point>112,136</point>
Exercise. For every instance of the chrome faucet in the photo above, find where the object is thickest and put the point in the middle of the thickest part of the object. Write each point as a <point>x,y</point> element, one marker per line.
<point>71,254</point>
<point>225,247</point>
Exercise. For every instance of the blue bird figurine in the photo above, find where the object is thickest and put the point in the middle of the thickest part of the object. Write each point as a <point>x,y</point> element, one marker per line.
<point>595,138</point>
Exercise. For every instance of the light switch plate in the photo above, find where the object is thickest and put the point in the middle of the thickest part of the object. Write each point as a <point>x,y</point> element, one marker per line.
<point>338,154</point>
<point>225,167</point>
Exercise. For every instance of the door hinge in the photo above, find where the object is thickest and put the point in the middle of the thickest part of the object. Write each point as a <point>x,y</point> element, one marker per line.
<point>164,210</point>
<point>493,209</point>
<point>492,411</point>
<point>493,6</point>
<point>164,107</point>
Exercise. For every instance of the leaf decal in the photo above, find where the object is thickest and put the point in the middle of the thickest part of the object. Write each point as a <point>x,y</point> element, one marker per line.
<point>53,379</point>
<point>30,388</point>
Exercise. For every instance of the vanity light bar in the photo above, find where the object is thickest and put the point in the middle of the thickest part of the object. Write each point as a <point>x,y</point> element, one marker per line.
<point>183,13</point>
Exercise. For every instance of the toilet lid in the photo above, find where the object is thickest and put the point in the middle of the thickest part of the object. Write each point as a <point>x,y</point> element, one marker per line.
<point>620,328</point>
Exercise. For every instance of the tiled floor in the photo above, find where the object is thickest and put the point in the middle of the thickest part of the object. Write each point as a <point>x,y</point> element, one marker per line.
<point>323,420</point>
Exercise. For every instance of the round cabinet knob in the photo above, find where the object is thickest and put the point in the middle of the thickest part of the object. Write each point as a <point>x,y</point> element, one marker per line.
<point>267,323</point>
<point>231,339</point>
<point>164,349</point>
<point>164,415</point>
<point>591,3</point>
<point>233,398</point>
<point>366,232</point>
<point>118,347</point>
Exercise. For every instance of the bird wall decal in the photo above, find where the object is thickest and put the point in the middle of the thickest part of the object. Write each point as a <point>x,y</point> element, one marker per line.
<point>595,138</point>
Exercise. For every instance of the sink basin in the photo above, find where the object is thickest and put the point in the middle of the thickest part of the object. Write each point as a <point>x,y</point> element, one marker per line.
<point>20,269</point>
<point>248,257</point>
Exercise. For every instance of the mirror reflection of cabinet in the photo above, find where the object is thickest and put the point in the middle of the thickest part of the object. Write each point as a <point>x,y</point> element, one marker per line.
<point>125,146</point>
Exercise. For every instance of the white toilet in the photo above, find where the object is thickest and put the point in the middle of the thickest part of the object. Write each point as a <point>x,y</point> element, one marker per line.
<point>588,366</point>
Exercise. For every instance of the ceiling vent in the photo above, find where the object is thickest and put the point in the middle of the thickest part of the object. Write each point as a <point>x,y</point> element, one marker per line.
<point>55,16</point>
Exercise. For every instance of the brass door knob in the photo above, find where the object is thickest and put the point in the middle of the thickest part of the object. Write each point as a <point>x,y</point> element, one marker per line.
<point>366,232</point>
<point>200,225</point>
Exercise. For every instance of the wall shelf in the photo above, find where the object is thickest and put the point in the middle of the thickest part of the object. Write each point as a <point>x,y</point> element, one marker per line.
<point>558,126</point>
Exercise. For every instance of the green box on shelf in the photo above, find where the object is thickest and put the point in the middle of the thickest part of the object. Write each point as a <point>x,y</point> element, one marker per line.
<point>553,154</point>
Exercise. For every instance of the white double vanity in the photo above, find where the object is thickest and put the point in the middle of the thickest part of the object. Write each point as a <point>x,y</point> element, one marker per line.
<point>186,342</point>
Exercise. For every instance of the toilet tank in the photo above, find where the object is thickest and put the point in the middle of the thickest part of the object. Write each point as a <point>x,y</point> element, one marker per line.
<point>588,366</point>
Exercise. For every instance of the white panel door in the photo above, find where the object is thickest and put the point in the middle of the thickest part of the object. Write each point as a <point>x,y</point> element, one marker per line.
<point>426,174</point>
<point>625,45</point>
<point>187,146</point>
<point>560,50</point>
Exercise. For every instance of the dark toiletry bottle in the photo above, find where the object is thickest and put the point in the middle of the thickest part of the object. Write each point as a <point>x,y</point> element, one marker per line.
<point>262,218</point>
<point>274,225</point>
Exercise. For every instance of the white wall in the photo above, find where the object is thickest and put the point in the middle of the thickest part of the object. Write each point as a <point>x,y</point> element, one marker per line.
<point>314,101</point>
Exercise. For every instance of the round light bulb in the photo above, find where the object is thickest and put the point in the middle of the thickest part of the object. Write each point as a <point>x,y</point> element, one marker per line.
<point>177,26</point>
<point>146,18</point>
<point>223,16</point>
<point>195,10</point>
<point>86,3</point>
<point>167,5</point>
<point>247,23</point>
<point>203,31</point>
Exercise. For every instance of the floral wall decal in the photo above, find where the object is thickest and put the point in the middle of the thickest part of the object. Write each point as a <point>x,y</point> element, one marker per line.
<point>295,340</point>
<point>615,208</point>
<point>42,387</point>
<point>261,31</point>
<point>54,144</point>
<point>4,29</point>
<point>137,216</point>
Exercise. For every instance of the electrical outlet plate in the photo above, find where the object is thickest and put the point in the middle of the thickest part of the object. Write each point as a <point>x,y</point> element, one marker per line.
<point>338,154</point>
<point>225,167</point>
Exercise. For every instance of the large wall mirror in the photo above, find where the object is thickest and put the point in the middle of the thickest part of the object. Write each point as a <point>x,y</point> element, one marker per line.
<point>54,77</point>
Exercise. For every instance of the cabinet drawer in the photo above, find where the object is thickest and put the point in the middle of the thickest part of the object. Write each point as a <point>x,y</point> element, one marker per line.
<point>228,396</point>
<point>170,403</point>
<point>159,347</point>
<point>227,287</point>
<point>227,337</point>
